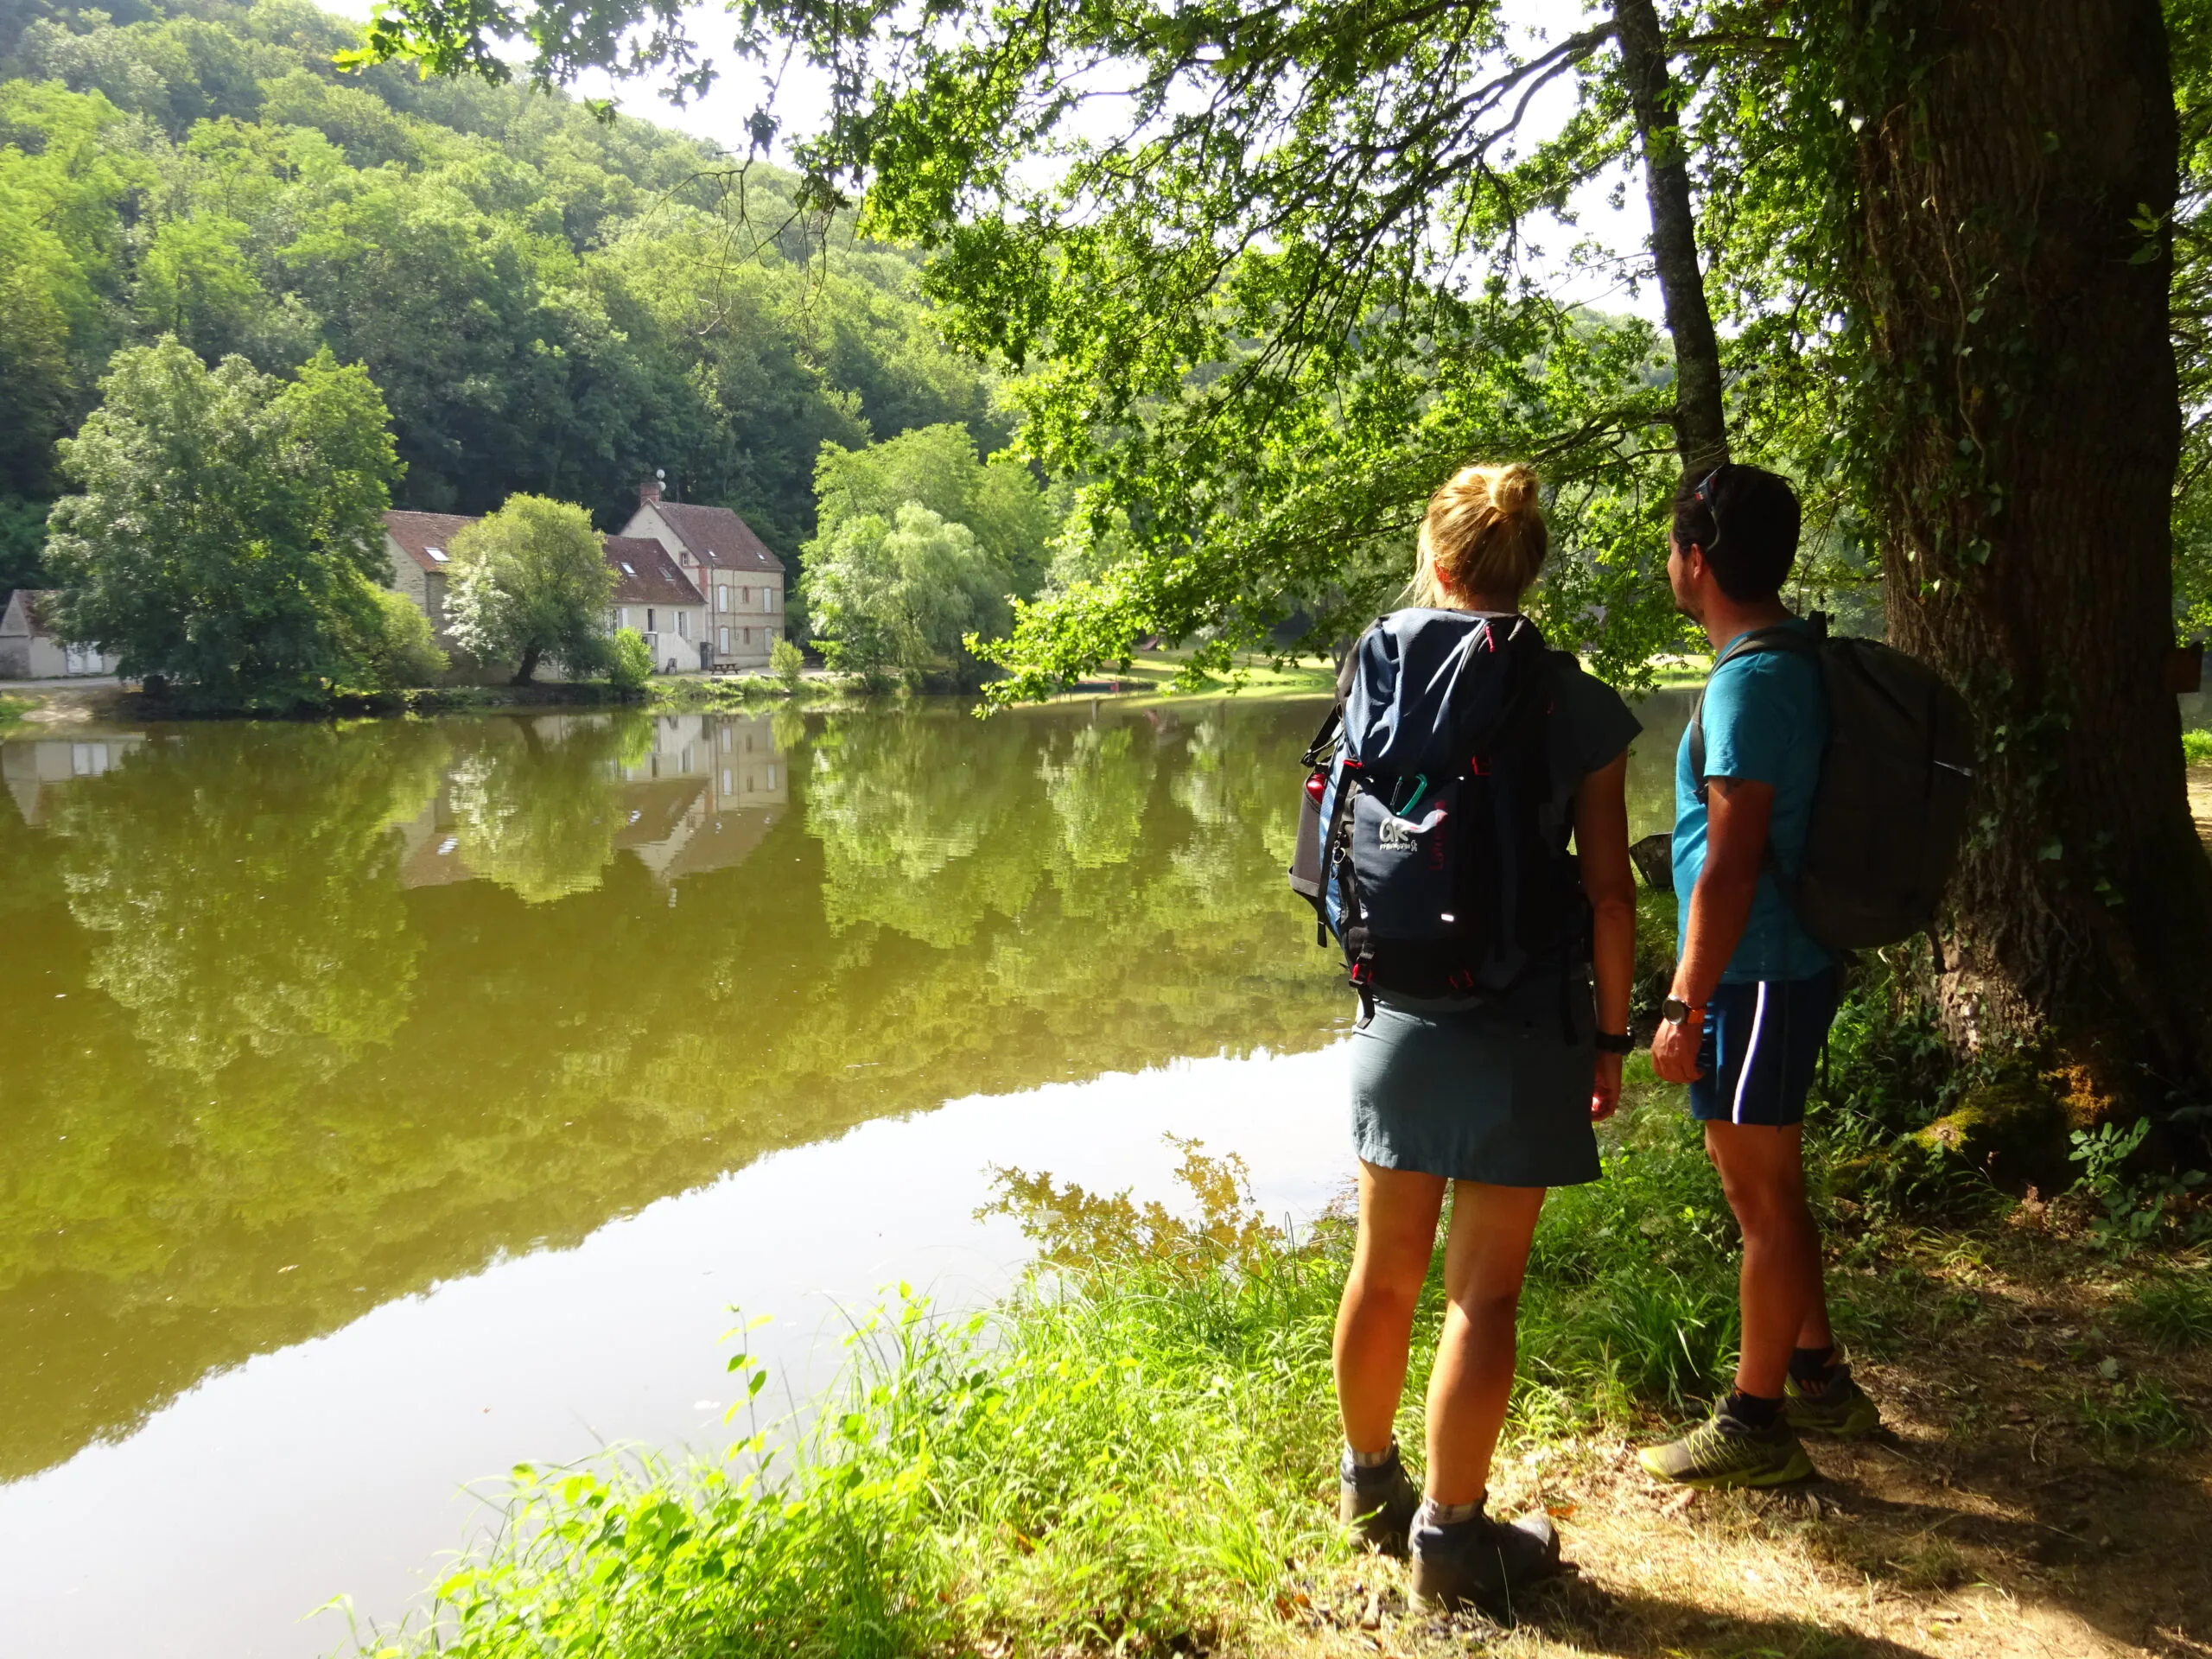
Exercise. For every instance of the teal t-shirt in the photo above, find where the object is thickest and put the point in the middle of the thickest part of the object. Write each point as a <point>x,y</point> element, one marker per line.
<point>1766,722</point>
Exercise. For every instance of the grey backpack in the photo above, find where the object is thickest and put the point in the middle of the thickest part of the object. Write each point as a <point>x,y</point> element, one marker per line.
<point>1889,811</point>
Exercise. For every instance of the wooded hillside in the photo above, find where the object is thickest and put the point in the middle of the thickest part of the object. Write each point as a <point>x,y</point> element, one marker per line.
<point>548,303</point>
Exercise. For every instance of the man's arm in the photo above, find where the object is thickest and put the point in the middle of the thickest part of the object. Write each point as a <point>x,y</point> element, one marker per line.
<point>1737,811</point>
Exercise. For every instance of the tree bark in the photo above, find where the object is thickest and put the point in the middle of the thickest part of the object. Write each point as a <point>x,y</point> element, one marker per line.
<point>2008,246</point>
<point>1700,427</point>
<point>528,668</point>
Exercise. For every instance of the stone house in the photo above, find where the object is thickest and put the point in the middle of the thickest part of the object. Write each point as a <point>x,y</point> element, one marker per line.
<point>414,546</point>
<point>740,579</point>
<point>653,596</point>
<point>30,650</point>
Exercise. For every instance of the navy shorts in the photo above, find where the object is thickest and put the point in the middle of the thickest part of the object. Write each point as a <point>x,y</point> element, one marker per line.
<point>1762,1043</point>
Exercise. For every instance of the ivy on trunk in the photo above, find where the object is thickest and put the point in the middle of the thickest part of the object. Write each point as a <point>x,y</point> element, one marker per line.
<point>2010,260</point>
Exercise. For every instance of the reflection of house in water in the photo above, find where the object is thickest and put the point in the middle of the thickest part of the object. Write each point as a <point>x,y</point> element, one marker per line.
<point>705,796</point>
<point>34,767</point>
<point>700,796</point>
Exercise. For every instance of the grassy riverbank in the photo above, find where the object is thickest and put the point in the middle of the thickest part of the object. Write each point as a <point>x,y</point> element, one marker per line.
<point>1135,1453</point>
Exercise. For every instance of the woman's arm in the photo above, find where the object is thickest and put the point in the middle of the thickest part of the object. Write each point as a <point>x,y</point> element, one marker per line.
<point>1601,840</point>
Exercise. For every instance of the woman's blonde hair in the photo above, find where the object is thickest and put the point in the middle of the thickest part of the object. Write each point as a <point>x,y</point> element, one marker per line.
<point>1484,534</point>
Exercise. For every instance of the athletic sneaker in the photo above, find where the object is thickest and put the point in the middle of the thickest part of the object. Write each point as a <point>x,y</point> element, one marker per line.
<point>1839,1407</point>
<point>1725,1451</point>
<point>1376,1505</point>
<point>1482,1563</point>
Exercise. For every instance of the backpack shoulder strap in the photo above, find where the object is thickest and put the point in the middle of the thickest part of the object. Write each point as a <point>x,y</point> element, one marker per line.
<point>1331,731</point>
<point>1750,643</point>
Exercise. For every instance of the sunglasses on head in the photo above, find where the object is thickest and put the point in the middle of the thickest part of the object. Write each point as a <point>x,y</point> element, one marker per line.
<point>1704,496</point>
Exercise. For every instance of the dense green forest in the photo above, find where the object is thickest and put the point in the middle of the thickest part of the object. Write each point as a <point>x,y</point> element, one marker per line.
<point>548,303</point>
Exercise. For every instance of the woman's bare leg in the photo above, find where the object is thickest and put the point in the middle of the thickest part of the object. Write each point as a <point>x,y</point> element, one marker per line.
<point>1483,1261</point>
<point>1398,1211</point>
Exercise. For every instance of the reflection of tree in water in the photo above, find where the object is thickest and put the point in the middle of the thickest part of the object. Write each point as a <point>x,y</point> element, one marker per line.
<point>244,889</point>
<point>534,803</point>
<point>1099,783</point>
<point>578,1060</point>
<point>927,823</point>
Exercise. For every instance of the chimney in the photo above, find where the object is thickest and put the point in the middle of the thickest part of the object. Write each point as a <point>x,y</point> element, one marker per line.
<point>649,492</point>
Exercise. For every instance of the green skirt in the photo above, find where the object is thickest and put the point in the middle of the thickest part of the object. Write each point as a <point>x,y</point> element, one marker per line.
<point>1498,1094</point>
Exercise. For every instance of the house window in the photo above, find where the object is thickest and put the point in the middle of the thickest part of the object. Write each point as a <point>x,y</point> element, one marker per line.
<point>649,628</point>
<point>684,624</point>
<point>722,596</point>
<point>622,616</point>
<point>767,599</point>
<point>744,597</point>
<point>722,637</point>
<point>725,788</point>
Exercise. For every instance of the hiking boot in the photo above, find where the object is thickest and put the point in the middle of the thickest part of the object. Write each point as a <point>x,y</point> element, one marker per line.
<point>1376,1505</point>
<point>1725,1451</point>
<point>1482,1563</point>
<point>1839,1407</point>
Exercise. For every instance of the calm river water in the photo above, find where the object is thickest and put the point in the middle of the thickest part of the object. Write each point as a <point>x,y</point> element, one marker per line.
<point>388,1104</point>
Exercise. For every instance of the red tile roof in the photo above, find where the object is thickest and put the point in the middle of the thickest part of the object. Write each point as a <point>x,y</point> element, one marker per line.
<point>645,573</point>
<point>418,532</point>
<point>718,536</point>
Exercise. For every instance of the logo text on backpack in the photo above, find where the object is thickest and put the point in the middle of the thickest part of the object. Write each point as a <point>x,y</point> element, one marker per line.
<point>1398,836</point>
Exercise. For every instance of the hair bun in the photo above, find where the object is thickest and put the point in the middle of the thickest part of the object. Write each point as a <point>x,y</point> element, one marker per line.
<point>1513,491</point>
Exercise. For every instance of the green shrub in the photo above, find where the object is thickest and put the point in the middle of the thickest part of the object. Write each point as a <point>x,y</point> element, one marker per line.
<point>787,663</point>
<point>400,652</point>
<point>2196,749</point>
<point>629,660</point>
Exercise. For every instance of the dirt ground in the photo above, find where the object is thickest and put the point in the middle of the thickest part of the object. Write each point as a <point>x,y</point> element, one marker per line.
<point>2199,800</point>
<point>2027,1496</point>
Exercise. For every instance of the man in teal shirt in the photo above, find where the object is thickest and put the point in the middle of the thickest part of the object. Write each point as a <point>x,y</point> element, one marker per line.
<point>1753,993</point>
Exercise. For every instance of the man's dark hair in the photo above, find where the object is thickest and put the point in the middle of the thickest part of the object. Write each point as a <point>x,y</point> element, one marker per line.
<point>1746,520</point>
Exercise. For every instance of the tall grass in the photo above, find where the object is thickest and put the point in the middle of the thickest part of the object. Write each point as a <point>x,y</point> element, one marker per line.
<point>1125,1453</point>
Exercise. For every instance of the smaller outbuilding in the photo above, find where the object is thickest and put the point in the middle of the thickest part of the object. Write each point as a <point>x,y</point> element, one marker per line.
<point>653,596</point>
<point>30,650</point>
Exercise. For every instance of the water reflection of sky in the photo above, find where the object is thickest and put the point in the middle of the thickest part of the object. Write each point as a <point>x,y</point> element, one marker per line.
<point>333,1465</point>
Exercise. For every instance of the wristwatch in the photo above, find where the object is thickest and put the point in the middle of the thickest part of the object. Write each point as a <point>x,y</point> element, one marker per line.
<point>1615,1042</point>
<point>1675,1012</point>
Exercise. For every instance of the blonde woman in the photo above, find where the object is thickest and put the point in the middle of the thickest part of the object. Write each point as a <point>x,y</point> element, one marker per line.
<point>1483,1071</point>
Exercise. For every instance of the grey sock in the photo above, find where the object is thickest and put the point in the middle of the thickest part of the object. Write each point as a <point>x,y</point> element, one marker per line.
<point>1382,1459</point>
<point>1434,1514</point>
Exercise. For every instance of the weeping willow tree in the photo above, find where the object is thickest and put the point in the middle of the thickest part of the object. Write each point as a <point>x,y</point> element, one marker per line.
<point>1265,273</point>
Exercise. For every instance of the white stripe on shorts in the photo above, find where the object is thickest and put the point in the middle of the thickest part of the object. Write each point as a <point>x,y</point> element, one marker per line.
<point>1751,1054</point>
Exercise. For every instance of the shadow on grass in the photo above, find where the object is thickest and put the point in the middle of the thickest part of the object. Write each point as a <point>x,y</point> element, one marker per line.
<point>1595,1620</point>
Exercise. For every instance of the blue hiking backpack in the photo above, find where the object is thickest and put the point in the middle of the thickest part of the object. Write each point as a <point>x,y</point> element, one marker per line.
<point>1432,835</point>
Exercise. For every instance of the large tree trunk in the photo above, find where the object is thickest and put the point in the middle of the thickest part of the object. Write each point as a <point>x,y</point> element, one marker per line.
<point>527,669</point>
<point>2011,259</point>
<point>1701,429</point>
